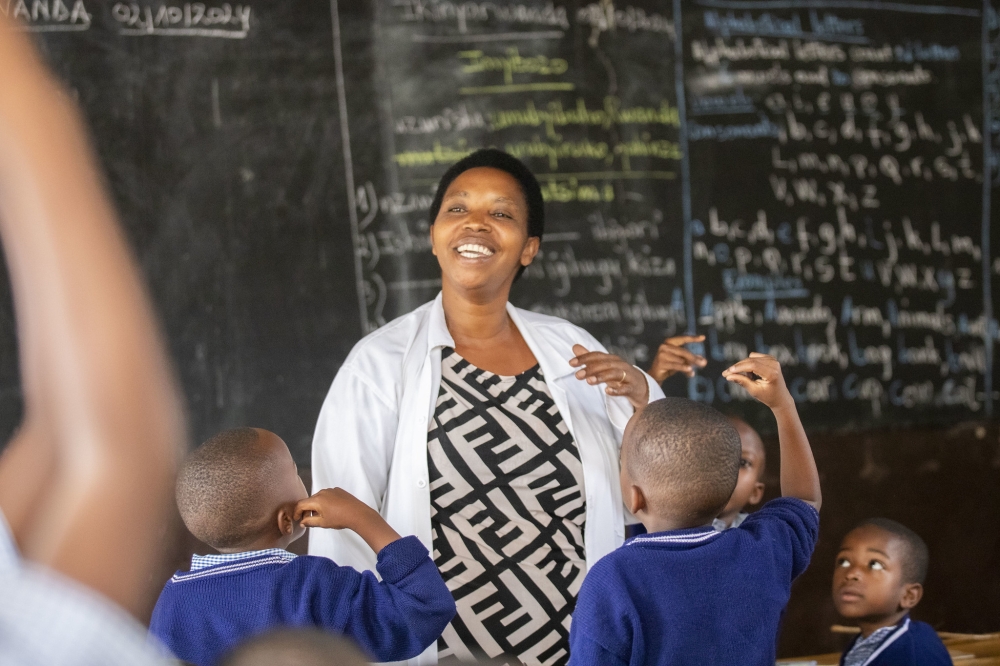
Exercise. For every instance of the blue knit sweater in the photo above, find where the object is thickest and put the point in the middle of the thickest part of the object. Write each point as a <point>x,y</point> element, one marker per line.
<point>695,596</point>
<point>910,643</point>
<point>203,614</point>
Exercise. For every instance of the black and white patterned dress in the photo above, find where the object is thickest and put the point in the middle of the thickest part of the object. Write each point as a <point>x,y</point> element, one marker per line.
<point>507,514</point>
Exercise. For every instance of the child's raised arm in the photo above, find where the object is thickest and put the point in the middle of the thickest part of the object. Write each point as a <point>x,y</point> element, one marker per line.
<point>87,482</point>
<point>397,618</point>
<point>337,509</point>
<point>761,376</point>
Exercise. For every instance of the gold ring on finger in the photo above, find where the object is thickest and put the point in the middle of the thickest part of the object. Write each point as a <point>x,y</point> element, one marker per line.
<point>622,381</point>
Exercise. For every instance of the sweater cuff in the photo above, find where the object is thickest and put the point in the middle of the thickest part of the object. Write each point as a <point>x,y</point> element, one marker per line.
<point>398,560</point>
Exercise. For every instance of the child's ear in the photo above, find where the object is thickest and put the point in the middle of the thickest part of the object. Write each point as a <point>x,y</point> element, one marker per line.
<point>757,495</point>
<point>286,521</point>
<point>636,500</point>
<point>912,593</point>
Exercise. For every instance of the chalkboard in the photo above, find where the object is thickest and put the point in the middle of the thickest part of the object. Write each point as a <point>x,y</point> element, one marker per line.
<point>218,128</point>
<point>804,179</point>
<point>855,245</point>
<point>811,179</point>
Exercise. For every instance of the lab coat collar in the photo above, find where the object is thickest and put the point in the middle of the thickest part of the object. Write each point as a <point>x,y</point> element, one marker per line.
<point>438,334</point>
<point>553,365</point>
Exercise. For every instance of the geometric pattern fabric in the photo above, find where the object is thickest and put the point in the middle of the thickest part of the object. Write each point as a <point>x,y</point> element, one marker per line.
<point>507,514</point>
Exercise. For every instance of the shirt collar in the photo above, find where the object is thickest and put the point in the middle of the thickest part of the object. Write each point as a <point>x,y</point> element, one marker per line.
<point>864,650</point>
<point>552,364</point>
<point>876,636</point>
<point>688,537</point>
<point>438,334</point>
<point>204,561</point>
<point>720,525</point>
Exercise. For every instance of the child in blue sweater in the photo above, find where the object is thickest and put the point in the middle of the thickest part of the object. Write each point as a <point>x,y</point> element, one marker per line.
<point>749,484</point>
<point>685,593</point>
<point>240,493</point>
<point>878,578</point>
<point>674,357</point>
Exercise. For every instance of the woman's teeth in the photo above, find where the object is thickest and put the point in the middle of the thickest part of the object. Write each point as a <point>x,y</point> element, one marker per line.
<point>473,251</point>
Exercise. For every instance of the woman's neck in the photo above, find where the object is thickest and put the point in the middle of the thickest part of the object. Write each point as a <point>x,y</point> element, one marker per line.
<point>484,334</point>
<point>475,320</point>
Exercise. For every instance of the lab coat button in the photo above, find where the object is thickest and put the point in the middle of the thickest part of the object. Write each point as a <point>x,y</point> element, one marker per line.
<point>421,483</point>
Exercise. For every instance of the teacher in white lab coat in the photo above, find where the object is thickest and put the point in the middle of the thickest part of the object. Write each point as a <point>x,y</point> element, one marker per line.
<point>490,432</point>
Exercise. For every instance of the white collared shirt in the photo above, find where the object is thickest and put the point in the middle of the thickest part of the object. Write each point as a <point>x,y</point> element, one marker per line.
<point>864,650</point>
<point>47,619</point>
<point>199,562</point>
<point>371,437</point>
<point>720,525</point>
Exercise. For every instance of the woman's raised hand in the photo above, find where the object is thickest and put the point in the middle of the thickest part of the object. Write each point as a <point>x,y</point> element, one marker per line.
<point>621,377</point>
<point>672,357</point>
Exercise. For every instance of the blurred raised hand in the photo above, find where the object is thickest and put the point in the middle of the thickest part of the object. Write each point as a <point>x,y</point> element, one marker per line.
<point>672,357</point>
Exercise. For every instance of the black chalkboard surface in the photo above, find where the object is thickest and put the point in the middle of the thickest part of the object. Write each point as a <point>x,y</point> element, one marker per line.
<point>812,179</point>
<point>804,179</point>
<point>220,138</point>
<point>851,235</point>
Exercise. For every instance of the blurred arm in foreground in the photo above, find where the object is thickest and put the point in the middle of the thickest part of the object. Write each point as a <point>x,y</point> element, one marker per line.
<point>86,484</point>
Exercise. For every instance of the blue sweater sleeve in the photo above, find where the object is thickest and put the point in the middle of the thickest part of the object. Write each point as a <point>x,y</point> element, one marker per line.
<point>583,650</point>
<point>603,631</point>
<point>395,619</point>
<point>790,527</point>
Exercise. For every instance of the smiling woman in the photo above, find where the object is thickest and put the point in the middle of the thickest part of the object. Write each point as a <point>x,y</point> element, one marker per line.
<point>490,432</point>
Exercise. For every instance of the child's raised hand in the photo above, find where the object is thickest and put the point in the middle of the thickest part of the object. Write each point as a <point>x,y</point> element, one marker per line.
<point>761,376</point>
<point>672,357</point>
<point>332,508</point>
<point>337,509</point>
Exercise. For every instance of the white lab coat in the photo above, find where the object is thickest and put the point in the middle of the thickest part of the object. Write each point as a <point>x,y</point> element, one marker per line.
<point>371,437</point>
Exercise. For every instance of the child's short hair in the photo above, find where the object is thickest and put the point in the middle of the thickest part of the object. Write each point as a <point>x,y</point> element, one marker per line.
<point>916,558</point>
<point>219,488</point>
<point>685,454</point>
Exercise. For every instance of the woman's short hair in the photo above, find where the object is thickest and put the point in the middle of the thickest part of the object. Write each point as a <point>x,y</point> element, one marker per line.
<point>498,159</point>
